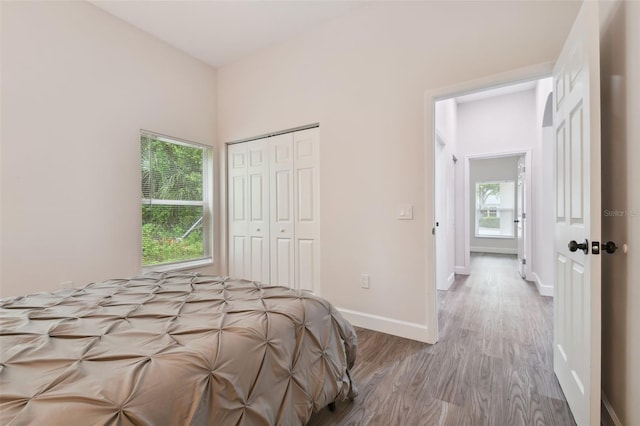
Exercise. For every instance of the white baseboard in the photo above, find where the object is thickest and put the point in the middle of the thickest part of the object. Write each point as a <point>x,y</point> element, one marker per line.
<point>408,330</point>
<point>544,290</point>
<point>609,416</point>
<point>447,285</point>
<point>494,250</point>
<point>462,270</point>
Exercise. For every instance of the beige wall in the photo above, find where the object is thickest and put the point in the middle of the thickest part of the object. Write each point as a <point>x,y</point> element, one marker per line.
<point>77,87</point>
<point>363,78</point>
<point>620,80</point>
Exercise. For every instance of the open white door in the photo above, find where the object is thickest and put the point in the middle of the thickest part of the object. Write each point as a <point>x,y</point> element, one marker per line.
<point>577,313</point>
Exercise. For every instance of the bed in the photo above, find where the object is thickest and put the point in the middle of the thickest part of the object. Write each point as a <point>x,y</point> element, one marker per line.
<point>172,349</point>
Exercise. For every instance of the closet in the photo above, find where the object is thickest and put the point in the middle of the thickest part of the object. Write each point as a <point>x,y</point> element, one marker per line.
<point>273,209</point>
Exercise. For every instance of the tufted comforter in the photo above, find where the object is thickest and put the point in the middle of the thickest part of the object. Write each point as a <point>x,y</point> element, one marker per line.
<point>172,349</point>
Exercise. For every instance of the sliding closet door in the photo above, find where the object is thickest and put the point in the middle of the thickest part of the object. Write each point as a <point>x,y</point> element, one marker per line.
<point>258,211</point>
<point>307,209</point>
<point>237,164</point>
<point>274,209</point>
<point>249,210</point>
<point>282,210</point>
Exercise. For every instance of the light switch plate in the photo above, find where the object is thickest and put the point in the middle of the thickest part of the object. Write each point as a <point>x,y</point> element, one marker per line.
<point>405,212</point>
<point>364,280</point>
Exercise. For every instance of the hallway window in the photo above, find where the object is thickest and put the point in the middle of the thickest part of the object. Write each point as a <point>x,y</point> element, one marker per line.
<point>495,204</point>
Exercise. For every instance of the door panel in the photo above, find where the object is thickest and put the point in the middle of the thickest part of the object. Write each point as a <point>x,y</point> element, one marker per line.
<point>560,174</point>
<point>562,332</point>
<point>249,211</point>
<point>282,196</point>
<point>282,209</point>
<point>259,248</point>
<point>257,197</point>
<point>577,290</point>
<point>283,260</point>
<point>258,206</point>
<point>238,211</point>
<point>307,213</point>
<point>576,155</point>
<point>238,223</point>
<point>304,195</point>
<point>306,260</point>
<point>238,258</point>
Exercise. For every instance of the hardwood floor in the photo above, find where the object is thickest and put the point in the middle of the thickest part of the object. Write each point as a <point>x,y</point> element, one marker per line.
<point>492,365</point>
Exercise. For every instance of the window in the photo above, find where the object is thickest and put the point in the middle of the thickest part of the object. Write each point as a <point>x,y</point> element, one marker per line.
<point>495,209</point>
<point>175,201</point>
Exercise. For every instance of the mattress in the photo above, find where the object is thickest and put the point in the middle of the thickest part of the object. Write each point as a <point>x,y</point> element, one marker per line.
<point>172,349</point>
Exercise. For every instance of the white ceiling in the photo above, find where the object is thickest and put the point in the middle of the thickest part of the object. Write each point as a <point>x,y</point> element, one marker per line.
<point>220,32</point>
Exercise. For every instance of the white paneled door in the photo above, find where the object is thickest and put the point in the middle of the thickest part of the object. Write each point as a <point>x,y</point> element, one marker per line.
<point>248,181</point>
<point>237,166</point>
<point>577,292</point>
<point>282,206</point>
<point>258,210</point>
<point>307,209</point>
<point>274,205</point>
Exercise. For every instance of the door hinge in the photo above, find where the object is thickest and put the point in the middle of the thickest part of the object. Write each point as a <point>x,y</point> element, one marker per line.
<point>524,215</point>
<point>433,231</point>
<point>524,261</point>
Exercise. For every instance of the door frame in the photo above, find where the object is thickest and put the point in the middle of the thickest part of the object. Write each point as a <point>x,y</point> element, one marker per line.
<point>467,207</point>
<point>521,233</point>
<point>518,75</point>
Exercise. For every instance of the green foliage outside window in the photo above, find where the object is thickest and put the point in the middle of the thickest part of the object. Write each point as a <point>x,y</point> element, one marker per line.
<point>489,222</point>
<point>485,190</point>
<point>487,216</point>
<point>162,231</point>
<point>172,201</point>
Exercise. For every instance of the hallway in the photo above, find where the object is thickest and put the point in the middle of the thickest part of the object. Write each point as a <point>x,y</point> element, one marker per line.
<point>492,366</point>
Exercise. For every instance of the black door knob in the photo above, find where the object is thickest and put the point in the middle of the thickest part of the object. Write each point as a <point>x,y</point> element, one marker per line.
<point>610,247</point>
<point>575,246</point>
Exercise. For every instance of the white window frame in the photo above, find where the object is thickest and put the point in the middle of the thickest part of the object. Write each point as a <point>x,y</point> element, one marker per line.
<point>206,203</point>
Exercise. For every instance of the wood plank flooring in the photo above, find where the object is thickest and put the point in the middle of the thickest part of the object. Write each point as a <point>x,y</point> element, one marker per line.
<point>492,365</point>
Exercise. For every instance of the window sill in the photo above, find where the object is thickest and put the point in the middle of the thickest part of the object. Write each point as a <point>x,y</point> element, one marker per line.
<point>500,237</point>
<point>179,266</point>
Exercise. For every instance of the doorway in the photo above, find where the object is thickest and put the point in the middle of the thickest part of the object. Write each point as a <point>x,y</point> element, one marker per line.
<point>491,197</point>
<point>496,204</point>
<point>575,200</point>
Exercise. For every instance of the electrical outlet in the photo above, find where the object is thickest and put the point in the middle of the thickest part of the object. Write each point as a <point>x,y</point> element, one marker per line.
<point>364,280</point>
